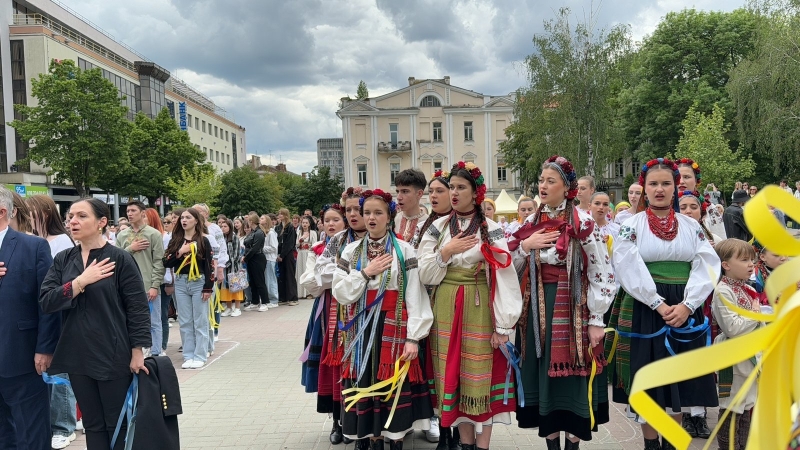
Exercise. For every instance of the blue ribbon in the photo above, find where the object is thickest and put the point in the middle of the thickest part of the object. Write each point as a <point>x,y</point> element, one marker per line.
<point>668,332</point>
<point>514,359</point>
<point>129,408</point>
<point>55,380</point>
<point>378,299</point>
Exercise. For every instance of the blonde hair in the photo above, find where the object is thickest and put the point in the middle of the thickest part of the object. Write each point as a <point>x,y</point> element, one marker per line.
<point>253,219</point>
<point>267,223</point>
<point>285,213</point>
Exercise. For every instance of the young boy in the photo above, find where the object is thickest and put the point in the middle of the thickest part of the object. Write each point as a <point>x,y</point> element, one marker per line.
<point>411,185</point>
<point>737,265</point>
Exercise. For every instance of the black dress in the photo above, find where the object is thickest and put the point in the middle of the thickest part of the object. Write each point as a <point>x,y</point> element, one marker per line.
<point>287,284</point>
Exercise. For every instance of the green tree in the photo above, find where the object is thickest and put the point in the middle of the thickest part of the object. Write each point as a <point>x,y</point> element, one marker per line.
<point>78,129</point>
<point>320,189</point>
<point>686,61</point>
<point>767,95</point>
<point>243,190</point>
<point>703,139</point>
<point>160,151</point>
<point>293,188</point>
<point>198,184</point>
<point>568,107</point>
<point>361,91</point>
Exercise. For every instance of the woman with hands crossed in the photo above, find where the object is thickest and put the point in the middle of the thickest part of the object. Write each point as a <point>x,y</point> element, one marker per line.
<point>386,313</point>
<point>106,320</point>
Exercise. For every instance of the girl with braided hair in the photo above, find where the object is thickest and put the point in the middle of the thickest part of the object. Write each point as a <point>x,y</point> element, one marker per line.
<point>476,306</point>
<point>567,285</point>
<point>385,312</point>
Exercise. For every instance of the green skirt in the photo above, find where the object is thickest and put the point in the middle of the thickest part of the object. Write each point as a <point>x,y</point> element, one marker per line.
<point>555,404</point>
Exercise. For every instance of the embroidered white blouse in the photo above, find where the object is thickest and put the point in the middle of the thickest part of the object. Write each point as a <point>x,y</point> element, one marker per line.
<point>308,279</point>
<point>602,283</point>
<point>508,298</point>
<point>349,285</point>
<point>638,245</point>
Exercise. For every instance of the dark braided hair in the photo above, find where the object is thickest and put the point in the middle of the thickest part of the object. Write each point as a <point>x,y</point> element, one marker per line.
<point>482,224</point>
<point>433,216</point>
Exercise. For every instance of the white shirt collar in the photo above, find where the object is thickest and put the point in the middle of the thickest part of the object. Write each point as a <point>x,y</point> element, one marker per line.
<point>3,235</point>
<point>560,207</point>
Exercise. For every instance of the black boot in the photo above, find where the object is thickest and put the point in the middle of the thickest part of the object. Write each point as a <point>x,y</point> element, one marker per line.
<point>445,436</point>
<point>569,445</point>
<point>376,444</point>
<point>346,440</point>
<point>363,444</point>
<point>396,445</point>
<point>336,434</point>
<point>700,424</point>
<point>553,444</point>
<point>455,442</point>
<point>652,444</point>
<point>666,445</point>
<point>689,425</point>
<point>469,447</point>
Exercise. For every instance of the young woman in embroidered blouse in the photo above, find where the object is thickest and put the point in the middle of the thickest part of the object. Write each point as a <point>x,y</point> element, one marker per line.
<point>525,208</point>
<point>662,261</point>
<point>387,313</point>
<point>599,207</point>
<point>305,240</point>
<point>329,393</point>
<point>476,306</point>
<point>568,284</point>
<point>689,180</point>
<point>320,320</point>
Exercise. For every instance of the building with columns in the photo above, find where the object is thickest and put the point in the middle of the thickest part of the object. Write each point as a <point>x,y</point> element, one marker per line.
<point>429,124</point>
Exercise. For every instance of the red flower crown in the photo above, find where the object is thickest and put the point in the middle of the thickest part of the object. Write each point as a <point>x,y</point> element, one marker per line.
<point>700,199</point>
<point>695,167</point>
<point>660,161</point>
<point>336,207</point>
<point>385,196</point>
<point>568,173</point>
<point>476,175</point>
<point>351,192</point>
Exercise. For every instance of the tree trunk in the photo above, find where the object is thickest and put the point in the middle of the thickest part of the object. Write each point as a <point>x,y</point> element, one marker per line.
<point>590,152</point>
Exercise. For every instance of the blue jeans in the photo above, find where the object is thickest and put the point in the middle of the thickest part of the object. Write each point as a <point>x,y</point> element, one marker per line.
<point>165,299</point>
<point>272,282</point>
<point>156,331</point>
<point>62,408</point>
<point>192,317</point>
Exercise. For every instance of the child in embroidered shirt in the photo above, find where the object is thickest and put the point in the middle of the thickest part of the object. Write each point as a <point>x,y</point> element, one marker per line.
<point>737,258</point>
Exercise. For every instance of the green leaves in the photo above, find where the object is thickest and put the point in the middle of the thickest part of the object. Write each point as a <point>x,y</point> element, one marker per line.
<point>243,190</point>
<point>198,184</point>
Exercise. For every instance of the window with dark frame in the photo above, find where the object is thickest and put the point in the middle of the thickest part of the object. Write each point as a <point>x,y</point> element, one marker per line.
<point>430,101</point>
<point>468,131</point>
<point>362,174</point>
<point>394,169</point>
<point>437,131</point>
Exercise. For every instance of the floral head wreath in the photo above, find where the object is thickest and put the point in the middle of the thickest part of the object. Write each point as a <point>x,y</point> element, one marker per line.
<point>443,176</point>
<point>476,175</point>
<point>336,207</point>
<point>659,161</point>
<point>385,196</point>
<point>567,172</point>
<point>696,195</point>
<point>351,192</point>
<point>695,167</point>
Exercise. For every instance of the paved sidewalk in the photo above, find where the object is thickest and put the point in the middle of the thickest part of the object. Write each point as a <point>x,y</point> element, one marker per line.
<point>249,395</point>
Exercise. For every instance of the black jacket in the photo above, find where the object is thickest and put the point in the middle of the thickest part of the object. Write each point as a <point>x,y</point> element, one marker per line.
<point>287,241</point>
<point>735,227</point>
<point>158,407</point>
<point>101,325</point>
<point>254,245</point>
<point>172,261</point>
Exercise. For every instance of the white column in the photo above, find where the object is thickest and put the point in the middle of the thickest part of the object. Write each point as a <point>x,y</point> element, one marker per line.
<point>347,153</point>
<point>489,142</point>
<point>375,161</point>
<point>6,19</point>
<point>412,123</point>
<point>450,160</point>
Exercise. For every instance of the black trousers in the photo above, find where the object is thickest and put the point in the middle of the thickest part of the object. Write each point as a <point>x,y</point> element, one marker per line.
<point>24,413</point>
<point>287,284</point>
<point>256,273</point>
<point>101,402</point>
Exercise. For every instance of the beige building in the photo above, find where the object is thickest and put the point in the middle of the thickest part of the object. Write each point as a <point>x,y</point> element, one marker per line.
<point>430,124</point>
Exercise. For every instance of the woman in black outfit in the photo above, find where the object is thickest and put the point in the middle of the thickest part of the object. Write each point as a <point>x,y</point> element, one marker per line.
<point>287,242</point>
<point>106,321</point>
<point>256,264</point>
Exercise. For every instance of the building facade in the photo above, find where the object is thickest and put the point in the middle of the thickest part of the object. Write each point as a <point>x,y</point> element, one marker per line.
<point>35,32</point>
<point>430,124</point>
<point>330,153</point>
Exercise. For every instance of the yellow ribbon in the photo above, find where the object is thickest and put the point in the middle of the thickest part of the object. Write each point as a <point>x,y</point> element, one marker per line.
<point>214,305</point>
<point>594,370</point>
<point>191,259</point>
<point>395,384</point>
<point>778,342</point>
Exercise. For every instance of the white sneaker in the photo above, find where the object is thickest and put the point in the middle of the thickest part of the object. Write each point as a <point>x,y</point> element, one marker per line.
<point>226,313</point>
<point>236,312</point>
<point>272,305</point>
<point>251,307</point>
<point>216,337</point>
<point>196,364</point>
<point>432,435</point>
<point>79,426</point>
<point>263,307</point>
<point>60,441</point>
<point>187,364</point>
<point>170,324</point>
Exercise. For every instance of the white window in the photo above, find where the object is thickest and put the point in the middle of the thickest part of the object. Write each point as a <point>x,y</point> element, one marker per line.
<point>190,120</point>
<point>437,131</point>
<point>468,131</point>
<point>204,126</point>
<point>619,169</point>
<point>437,165</point>
<point>394,169</point>
<point>430,101</point>
<point>362,174</point>
<point>217,156</point>
<point>393,135</point>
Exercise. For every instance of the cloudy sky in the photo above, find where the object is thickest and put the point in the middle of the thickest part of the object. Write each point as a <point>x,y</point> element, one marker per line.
<point>280,66</point>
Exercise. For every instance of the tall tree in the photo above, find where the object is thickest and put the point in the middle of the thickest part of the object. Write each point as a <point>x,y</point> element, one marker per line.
<point>78,129</point>
<point>568,108</point>
<point>767,95</point>
<point>243,190</point>
<point>703,139</point>
<point>320,189</point>
<point>361,91</point>
<point>160,151</point>
<point>685,62</point>
<point>293,188</point>
<point>198,184</point>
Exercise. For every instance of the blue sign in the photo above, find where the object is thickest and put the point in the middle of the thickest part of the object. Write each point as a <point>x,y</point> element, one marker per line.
<point>182,115</point>
<point>20,190</point>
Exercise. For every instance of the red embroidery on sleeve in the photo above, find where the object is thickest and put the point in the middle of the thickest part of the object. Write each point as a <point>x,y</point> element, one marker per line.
<point>67,289</point>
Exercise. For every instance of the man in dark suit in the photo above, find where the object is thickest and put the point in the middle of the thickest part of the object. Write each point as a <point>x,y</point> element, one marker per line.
<point>733,218</point>
<point>28,337</point>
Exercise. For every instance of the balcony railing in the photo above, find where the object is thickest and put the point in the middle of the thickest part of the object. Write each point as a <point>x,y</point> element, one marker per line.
<point>391,147</point>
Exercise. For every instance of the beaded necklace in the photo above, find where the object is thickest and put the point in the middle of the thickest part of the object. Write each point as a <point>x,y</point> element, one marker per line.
<point>666,228</point>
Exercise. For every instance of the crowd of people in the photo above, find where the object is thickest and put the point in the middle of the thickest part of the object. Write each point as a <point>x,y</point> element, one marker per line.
<point>467,319</point>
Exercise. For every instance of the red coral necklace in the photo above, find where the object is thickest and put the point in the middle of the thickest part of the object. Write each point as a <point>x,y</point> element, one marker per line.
<point>665,228</point>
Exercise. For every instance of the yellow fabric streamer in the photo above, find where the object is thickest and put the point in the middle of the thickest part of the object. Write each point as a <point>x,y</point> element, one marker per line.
<point>191,259</point>
<point>778,342</point>
<point>214,306</point>
<point>395,384</point>
<point>609,358</point>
